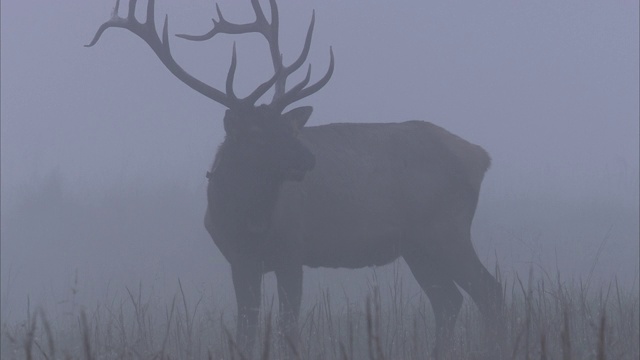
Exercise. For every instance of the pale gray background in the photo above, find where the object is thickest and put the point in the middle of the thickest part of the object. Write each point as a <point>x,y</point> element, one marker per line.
<point>104,152</point>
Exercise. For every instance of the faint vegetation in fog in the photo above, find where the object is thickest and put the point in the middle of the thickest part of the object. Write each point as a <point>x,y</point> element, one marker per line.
<point>66,253</point>
<point>548,319</point>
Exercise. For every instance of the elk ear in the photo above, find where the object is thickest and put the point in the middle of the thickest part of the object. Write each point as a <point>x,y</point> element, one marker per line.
<point>298,117</point>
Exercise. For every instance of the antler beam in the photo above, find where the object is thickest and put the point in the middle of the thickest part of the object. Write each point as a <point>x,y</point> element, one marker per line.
<point>281,98</point>
<point>260,25</point>
<point>147,32</point>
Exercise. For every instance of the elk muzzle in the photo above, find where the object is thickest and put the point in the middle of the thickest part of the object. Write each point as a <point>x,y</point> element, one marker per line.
<point>306,161</point>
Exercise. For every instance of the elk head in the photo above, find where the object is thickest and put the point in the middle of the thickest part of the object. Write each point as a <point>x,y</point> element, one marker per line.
<point>262,137</point>
<point>266,141</point>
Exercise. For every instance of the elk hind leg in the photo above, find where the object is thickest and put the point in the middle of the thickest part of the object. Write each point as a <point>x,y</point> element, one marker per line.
<point>474,278</point>
<point>445,298</point>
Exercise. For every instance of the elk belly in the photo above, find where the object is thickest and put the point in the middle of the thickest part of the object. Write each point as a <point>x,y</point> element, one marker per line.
<point>368,248</point>
<point>327,241</point>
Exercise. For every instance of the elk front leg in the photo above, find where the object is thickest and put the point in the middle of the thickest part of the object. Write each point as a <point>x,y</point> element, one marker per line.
<point>289,280</point>
<point>246,282</point>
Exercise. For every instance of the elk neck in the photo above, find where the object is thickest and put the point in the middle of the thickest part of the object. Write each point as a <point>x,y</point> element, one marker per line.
<point>241,194</point>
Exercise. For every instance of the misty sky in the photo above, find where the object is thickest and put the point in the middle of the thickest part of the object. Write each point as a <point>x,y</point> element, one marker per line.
<point>549,88</point>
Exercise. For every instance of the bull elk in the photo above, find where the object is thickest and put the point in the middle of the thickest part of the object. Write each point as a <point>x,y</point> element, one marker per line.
<point>346,195</point>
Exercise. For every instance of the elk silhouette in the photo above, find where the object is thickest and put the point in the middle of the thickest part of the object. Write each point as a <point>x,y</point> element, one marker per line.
<point>346,195</point>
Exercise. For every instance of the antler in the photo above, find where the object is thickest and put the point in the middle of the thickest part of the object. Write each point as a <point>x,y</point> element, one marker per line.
<point>147,32</point>
<point>281,99</point>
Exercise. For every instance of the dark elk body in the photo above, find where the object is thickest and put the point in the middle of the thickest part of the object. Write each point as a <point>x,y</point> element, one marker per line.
<point>282,196</point>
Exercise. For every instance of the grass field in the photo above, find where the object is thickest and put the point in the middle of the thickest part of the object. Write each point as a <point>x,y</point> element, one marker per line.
<point>80,246</point>
<point>549,318</point>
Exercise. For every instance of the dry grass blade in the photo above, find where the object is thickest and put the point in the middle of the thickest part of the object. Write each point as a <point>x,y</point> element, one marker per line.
<point>597,257</point>
<point>528,297</point>
<point>49,333</point>
<point>601,337</point>
<point>543,347</point>
<point>233,347</point>
<point>293,348</point>
<point>28,344</point>
<point>166,336</point>
<point>370,330</point>
<point>559,327</point>
<point>343,351</point>
<point>266,347</point>
<point>86,338</point>
<point>565,336</point>
<point>41,350</point>
<point>189,319</point>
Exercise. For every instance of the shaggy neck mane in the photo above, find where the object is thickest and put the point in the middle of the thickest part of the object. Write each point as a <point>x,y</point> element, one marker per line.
<point>240,196</point>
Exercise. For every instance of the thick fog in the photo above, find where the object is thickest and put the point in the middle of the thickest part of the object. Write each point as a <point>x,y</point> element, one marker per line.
<point>104,151</point>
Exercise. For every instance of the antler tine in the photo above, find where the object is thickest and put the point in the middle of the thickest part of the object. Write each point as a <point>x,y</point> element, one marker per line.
<point>259,25</point>
<point>147,32</point>
<point>151,16</point>
<point>274,41</point>
<point>294,89</point>
<point>132,8</point>
<point>281,98</point>
<point>114,21</point>
<point>222,26</point>
<point>263,88</point>
<point>231,74</point>
<point>299,92</point>
<point>288,70</point>
<point>259,13</point>
<point>129,22</point>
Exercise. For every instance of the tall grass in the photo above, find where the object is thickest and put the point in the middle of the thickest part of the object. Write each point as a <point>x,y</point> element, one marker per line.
<point>543,319</point>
